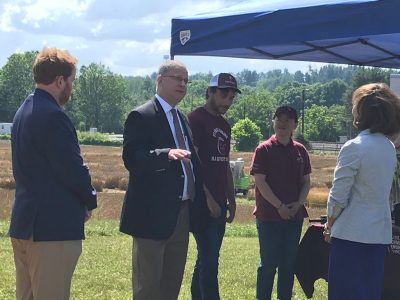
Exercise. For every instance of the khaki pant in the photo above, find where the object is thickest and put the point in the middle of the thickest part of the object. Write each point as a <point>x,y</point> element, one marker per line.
<point>158,265</point>
<point>44,269</point>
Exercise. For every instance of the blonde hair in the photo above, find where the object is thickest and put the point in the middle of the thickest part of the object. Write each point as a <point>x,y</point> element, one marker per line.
<point>170,65</point>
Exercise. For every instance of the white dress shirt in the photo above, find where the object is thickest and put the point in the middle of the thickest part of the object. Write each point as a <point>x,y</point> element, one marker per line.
<point>167,109</point>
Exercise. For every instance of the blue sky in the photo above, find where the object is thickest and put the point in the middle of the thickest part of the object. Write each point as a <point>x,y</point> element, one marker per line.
<point>131,37</point>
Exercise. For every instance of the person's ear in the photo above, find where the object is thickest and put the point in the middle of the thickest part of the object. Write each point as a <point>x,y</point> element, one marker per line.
<point>158,78</point>
<point>59,81</point>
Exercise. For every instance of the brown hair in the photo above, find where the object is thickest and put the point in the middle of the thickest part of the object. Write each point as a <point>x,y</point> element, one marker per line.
<point>212,89</point>
<point>376,108</point>
<point>53,62</point>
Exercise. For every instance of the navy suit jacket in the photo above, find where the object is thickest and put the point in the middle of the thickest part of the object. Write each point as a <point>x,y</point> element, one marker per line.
<point>154,195</point>
<point>53,186</point>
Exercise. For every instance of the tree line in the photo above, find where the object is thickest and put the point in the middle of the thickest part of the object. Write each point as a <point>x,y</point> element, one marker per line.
<point>102,99</point>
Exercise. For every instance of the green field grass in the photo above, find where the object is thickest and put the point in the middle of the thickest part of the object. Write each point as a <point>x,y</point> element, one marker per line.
<point>104,269</point>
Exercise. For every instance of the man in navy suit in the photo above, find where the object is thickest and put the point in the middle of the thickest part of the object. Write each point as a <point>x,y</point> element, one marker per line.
<point>165,197</point>
<point>54,195</point>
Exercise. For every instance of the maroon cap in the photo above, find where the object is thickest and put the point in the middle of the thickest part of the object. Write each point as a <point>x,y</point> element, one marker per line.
<point>224,81</point>
<point>287,110</point>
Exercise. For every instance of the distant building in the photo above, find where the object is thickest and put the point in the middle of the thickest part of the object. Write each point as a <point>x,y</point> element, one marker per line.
<point>5,128</point>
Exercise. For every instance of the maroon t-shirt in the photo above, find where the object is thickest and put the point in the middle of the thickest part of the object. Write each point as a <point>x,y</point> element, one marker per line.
<point>212,137</point>
<point>284,167</point>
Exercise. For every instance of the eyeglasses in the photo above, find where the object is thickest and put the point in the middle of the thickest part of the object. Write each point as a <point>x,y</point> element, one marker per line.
<point>178,79</point>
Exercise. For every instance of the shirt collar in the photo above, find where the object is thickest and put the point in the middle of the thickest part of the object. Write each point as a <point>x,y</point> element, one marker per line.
<point>164,104</point>
<point>274,140</point>
<point>365,132</point>
<point>45,94</point>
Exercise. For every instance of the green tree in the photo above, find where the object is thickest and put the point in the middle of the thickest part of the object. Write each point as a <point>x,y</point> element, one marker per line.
<point>272,79</point>
<point>201,76</point>
<point>195,96</point>
<point>330,72</point>
<point>256,104</point>
<point>366,75</point>
<point>299,76</point>
<point>333,92</point>
<point>72,109</point>
<point>291,94</point>
<point>247,77</point>
<point>246,135</point>
<point>362,76</point>
<point>16,82</point>
<point>326,94</point>
<point>140,88</point>
<point>102,98</point>
<point>324,123</point>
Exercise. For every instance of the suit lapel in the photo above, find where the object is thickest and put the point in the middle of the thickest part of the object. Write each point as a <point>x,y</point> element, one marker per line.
<point>188,132</point>
<point>186,125</point>
<point>165,130</point>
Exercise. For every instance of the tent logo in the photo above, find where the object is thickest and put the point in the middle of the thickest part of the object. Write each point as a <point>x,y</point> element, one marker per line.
<point>184,36</point>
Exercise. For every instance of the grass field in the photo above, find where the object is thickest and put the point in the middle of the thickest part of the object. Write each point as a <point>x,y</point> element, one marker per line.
<point>104,269</point>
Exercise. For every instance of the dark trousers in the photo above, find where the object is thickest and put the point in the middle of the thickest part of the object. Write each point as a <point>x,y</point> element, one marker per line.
<point>355,270</point>
<point>205,273</point>
<point>279,241</point>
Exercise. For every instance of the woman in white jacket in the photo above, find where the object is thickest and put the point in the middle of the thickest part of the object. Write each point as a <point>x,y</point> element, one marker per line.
<point>359,221</point>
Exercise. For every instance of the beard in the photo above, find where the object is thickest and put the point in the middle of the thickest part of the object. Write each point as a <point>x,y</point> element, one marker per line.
<point>64,95</point>
<point>218,109</point>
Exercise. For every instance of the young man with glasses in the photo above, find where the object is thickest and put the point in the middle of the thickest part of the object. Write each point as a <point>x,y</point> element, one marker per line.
<point>212,137</point>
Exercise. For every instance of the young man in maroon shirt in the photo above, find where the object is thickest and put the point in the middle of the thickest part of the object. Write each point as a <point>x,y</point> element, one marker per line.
<point>281,169</point>
<point>212,137</point>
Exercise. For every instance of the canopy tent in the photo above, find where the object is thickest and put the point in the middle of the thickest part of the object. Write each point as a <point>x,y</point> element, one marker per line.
<point>365,32</point>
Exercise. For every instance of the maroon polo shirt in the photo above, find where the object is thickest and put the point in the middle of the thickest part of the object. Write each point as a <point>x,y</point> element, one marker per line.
<point>284,166</point>
<point>212,137</point>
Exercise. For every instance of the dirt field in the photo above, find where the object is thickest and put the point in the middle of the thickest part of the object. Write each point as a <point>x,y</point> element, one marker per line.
<point>110,178</point>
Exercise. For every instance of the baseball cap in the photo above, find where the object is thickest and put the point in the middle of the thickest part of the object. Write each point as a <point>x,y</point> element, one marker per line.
<point>287,110</point>
<point>224,81</point>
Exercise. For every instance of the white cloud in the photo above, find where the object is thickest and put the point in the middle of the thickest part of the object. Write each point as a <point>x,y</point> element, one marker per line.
<point>97,29</point>
<point>7,11</point>
<point>53,10</point>
<point>131,37</point>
